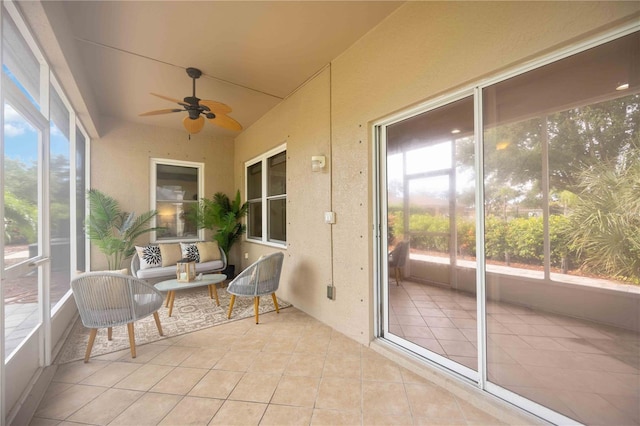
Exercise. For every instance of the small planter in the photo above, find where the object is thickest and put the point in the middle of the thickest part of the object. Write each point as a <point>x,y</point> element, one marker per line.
<point>229,271</point>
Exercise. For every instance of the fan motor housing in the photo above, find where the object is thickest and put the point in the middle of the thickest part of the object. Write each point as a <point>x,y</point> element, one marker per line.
<point>194,72</point>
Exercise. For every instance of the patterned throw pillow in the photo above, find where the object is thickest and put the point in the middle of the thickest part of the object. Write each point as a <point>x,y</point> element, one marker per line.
<point>150,256</point>
<point>190,251</point>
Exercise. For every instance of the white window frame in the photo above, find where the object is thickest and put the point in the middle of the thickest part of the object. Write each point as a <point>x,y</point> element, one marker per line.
<point>263,158</point>
<point>155,162</point>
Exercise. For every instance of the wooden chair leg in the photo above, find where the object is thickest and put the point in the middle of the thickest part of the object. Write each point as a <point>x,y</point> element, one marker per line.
<point>275,302</point>
<point>157,318</point>
<point>256,306</point>
<point>92,338</point>
<point>132,339</point>
<point>233,299</point>
<point>110,333</point>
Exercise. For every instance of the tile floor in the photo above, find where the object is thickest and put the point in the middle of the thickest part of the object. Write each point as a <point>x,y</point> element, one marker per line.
<point>290,369</point>
<point>584,370</point>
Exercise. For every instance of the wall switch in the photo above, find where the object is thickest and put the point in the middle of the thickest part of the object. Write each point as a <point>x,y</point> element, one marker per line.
<point>246,255</point>
<point>330,217</point>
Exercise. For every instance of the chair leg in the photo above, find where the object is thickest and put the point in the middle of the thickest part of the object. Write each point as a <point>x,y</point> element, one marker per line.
<point>157,318</point>
<point>233,299</point>
<point>132,339</point>
<point>397,276</point>
<point>110,333</point>
<point>92,338</point>
<point>275,302</point>
<point>256,306</point>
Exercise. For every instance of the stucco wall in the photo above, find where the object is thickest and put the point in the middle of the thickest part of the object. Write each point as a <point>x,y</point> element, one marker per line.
<point>422,50</point>
<point>120,164</point>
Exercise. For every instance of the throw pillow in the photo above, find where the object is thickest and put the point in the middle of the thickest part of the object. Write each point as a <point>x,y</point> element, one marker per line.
<point>171,254</point>
<point>190,251</point>
<point>208,251</point>
<point>150,256</point>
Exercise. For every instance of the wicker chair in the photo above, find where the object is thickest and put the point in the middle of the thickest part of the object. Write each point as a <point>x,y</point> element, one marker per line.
<point>108,299</point>
<point>397,259</point>
<point>259,279</point>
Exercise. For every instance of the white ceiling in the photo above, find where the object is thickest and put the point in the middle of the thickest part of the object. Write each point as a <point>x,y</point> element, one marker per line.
<point>252,54</point>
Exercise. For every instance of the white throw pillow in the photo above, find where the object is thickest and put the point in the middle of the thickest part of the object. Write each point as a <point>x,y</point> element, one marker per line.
<point>150,256</point>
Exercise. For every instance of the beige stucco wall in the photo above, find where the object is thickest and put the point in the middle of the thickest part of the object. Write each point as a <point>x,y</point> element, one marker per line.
<point>120,164</point>
<point>422,50</point>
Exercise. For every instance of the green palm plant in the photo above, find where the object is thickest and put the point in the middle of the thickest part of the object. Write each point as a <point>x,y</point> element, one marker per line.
<point>223,216</point>
<point>604,224</point>
<point>114,231</point>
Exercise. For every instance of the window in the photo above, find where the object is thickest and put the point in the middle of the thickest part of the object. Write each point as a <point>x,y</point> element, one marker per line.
<point>266,178</point>
<point>175,190</point>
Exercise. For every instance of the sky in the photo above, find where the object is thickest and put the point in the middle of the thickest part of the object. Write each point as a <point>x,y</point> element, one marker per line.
<point>21,138</point>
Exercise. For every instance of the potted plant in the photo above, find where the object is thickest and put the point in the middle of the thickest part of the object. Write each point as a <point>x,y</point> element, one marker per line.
<point>223,216</point>
<point>114,231</point>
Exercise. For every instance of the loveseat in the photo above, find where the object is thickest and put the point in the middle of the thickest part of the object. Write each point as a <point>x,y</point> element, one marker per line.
<point>158,261</point>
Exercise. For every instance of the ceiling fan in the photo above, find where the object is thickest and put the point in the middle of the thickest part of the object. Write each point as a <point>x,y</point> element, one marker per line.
<point>198,109</point>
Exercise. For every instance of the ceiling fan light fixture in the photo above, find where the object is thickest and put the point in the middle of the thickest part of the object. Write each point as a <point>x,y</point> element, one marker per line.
<point>193,126</point>
<point>199,109</point>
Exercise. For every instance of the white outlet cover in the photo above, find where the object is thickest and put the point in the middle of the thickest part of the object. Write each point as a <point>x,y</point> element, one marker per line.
<point>329,217</point>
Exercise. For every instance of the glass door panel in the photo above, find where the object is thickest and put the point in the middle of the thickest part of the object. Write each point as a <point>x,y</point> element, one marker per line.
<point>60,198</point>
<point>562,166</point>
<point>430,187</point>
<point>22,247</point>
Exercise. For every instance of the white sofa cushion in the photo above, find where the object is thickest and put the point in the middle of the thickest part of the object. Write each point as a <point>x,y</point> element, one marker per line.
<point>169,272</point>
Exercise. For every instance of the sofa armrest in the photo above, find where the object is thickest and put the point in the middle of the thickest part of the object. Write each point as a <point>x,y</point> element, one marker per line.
<point>135,265</point>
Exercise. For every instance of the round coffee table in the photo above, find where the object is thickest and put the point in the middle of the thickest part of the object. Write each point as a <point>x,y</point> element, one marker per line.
<point>170,286</point>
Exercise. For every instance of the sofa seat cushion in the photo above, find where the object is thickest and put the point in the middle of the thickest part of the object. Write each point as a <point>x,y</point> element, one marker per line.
<point>169,272</point>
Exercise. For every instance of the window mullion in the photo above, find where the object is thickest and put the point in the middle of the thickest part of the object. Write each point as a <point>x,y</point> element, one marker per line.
<point>264,198</point>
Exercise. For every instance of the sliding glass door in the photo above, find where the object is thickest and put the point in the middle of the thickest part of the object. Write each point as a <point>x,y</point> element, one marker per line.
<point>430,183</point>
<point>520,204</point>
<point>562,204</point>
<point>43,172</point>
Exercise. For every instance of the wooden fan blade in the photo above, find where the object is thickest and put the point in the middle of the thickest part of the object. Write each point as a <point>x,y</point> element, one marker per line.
<point>216,107</point>
<point>160,111</point>
<point>166,98</point>
<point>193,126</point>
<point>226,122</point>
